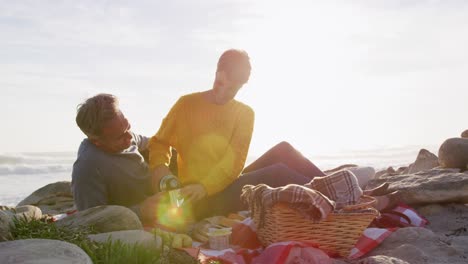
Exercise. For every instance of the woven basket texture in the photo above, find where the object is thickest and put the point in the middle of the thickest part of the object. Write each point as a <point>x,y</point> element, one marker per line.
<point>337,234</point>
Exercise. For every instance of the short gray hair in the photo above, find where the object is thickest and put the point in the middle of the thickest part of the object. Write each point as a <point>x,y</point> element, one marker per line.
<point>93,113</point>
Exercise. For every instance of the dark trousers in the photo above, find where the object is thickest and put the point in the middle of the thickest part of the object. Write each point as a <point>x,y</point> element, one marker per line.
<point>279,166</point>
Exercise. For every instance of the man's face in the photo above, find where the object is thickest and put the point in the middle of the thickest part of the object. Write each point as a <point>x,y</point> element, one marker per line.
<point>115,135</point>
<point>231,86</point>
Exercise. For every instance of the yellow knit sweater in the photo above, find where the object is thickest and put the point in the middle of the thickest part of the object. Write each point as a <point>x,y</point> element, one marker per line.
<point>211,140</point>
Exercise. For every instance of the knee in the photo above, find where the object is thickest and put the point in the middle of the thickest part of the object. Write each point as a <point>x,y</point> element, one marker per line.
<point>280,168</point>
<point>284,147</point>
<point>277,168</point>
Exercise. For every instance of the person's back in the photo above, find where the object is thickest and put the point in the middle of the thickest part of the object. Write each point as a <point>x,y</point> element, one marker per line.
<point>100,178</point>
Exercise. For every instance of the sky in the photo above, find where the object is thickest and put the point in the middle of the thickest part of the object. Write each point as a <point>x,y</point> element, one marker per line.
<point>327,75</point>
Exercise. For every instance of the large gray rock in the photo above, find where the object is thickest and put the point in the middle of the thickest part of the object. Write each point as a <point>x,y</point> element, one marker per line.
<point>5,222</point>
<point>446,219</point>
<point>381,260</point>
<point>433,186</point>
<point>54,198</point>
<point>106,218</point>
<point>130,237</point>
<point>453,153</point>
<point>42,251</point>
<point>424,161</point>
<point>460,243</point>
<point>420,245</point>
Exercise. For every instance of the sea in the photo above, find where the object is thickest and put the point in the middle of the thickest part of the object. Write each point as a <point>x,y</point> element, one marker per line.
<point>23,173</point>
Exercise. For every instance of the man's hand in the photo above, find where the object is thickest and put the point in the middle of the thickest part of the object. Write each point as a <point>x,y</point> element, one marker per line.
<point>193,192</point>
<point>149,207</point>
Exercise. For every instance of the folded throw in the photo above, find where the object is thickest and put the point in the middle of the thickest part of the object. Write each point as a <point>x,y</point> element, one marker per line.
<point>309,203</point>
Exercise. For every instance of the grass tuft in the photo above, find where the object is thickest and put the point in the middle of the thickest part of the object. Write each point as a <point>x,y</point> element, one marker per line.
<point>109,252</point>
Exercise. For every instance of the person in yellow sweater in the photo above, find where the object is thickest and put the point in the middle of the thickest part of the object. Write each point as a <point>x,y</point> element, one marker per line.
<point>211,132</point>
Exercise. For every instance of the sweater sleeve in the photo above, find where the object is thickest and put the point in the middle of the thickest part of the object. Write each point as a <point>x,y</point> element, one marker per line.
<point>160,144</point>
<point>141,141</point>
<point>230,166</point>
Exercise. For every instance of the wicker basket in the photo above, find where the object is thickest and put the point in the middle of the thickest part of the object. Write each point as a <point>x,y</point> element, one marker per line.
<point>337,234</point>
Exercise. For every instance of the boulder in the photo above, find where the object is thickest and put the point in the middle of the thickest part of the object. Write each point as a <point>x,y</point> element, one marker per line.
<point>54,198</point>
<point>5,222</point>
<point>420,245</point>
<point>363,174</point>
<point>389,171</point>
<point>381,260</point>
<point>464,134</point>
<point>130,237</point>
<point>424,161</point>
<point>27,212</point>
<point>42,251</point>
<point>433,186</point>
<point>453,153</point>
<point>105,218</point>
<point>342,167</point>
<point>446,219</point>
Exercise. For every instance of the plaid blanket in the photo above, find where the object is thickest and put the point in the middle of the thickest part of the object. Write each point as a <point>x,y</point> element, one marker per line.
<point>341,187</point>
<point>309,203</point>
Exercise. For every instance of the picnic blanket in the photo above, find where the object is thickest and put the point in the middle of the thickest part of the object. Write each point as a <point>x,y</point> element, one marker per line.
<point>247,248</point>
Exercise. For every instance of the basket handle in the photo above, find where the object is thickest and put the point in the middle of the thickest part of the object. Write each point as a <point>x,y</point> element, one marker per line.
<point>366,201</point>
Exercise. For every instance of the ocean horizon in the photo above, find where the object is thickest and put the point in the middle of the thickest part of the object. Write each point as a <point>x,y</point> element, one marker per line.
<point>24,172</point>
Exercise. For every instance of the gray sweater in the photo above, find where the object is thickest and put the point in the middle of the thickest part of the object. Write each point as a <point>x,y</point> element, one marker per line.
<point>101,178</point>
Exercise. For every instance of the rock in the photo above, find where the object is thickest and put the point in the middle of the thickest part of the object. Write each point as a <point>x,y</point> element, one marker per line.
<point>433,186</point>
<point>459,243</point>
<point>464,134</point>
<point>131,237</point>
<point>54,198</point>
<point>106,218</point>
<point>419,245</point>
<point>345,166</point>
<point>5,222</point>
<point>62,188</point>
<point>453,153</point>
<point>388,171</point>
<point>27,212</point>
<point>42,251</point>
<point>400,170</point>
<point>381,260</point>
<point>363,174</point>
<point>424,161</point>
<point>447,219</point>
<point>57,205</point>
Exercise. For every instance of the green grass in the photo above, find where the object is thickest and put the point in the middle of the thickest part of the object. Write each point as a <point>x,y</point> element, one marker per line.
<point>108,252</point>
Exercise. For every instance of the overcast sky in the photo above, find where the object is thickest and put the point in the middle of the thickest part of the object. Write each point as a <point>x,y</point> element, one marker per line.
<point>327,75</point>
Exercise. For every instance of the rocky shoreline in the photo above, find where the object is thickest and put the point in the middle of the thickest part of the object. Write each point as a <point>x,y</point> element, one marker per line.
<point>435,185</point>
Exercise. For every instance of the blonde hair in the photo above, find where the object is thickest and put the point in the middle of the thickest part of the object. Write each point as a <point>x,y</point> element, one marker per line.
<point>93,113</point>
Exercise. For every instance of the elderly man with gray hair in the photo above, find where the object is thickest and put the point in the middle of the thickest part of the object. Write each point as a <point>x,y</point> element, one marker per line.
<point>110,168</point>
